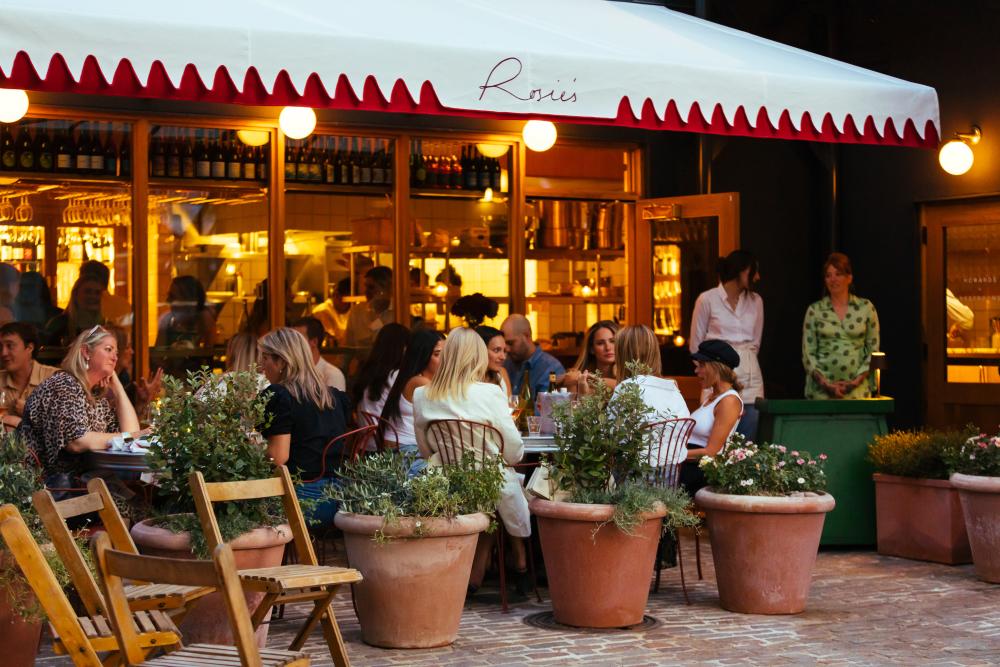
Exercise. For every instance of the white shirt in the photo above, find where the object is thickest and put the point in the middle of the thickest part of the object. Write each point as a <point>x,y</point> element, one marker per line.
<point>663,395</point>
<point>714,319</point>
<point>958,313</point>
<point>704,420</point>
<point>331,375</point>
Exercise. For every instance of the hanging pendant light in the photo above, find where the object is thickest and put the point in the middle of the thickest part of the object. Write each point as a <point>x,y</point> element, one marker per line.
<point>539,135</point>
<point>297,122</point>
<point>13,105</point>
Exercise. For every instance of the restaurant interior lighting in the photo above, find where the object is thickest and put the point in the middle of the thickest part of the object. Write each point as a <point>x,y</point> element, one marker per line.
<point>492,150</point>
<point>13,105</point>
<point>878,364</point>
<point>297,122</point>
<point>956,156</point>
<point>252,137</point>
<point>539,135</point>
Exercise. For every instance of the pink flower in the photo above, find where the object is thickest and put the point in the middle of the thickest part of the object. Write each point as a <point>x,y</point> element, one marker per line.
<point>782,449</point>
<point>781,464</point>
<point>801,461</point>
<point>822,457</point>
<point>811,462</point>
<point>982,445</point>
<point>794,453</point>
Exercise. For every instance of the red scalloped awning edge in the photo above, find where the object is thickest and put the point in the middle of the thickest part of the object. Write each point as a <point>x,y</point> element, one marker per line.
<point>126,83</point>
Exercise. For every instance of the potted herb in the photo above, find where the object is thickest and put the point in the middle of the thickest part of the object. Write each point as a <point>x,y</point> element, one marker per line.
<point>413,540</point>
<point>975,473</point>
<point>20,614</point>
<point>765,507</point>
<point>911,472</point>
<point>208,423</point>
<point>600,546</point>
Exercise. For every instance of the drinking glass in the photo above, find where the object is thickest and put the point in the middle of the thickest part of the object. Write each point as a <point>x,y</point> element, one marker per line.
<point>534,425</point>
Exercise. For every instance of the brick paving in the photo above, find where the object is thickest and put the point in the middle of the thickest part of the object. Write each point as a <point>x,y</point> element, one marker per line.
<point>863,609</point>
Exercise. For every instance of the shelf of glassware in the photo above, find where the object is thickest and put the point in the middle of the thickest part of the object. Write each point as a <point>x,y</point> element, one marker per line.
<point>667,289</point>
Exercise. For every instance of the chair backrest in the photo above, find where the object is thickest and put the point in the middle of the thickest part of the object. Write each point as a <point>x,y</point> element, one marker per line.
<point>29,557</point>
<point>450,438</point>
<point>206,493</point>
<point>666,452</point>
<point>386,437</point>
<point>54,515</point>
<point>220,572</point>
<point>351,444</point>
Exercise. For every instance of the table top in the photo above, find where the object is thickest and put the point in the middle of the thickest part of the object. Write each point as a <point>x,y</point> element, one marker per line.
<point>119,461</point>
<point>538,444</point>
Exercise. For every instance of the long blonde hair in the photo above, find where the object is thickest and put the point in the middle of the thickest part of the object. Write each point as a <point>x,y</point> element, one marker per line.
<point>300,377</point>
<point>636,343</point>
<point>74,363</point>
<point>241,352</point>
<point>463,362</point>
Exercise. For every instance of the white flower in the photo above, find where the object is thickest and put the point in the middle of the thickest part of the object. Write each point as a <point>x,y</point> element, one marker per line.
<point>801,480</point>
<point>746,482</point>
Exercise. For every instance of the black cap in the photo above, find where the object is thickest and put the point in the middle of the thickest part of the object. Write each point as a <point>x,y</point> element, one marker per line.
<point>717,350</point>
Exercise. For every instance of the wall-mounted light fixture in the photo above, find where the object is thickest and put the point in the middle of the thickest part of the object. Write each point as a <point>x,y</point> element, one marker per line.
<point>956,156</point>
<point>539,135</point>
<point>13,105</point>
<point>297,122</point>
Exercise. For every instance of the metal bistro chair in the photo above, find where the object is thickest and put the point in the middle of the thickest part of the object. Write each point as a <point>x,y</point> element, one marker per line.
<point>385,428</point>
<point>671,443</point>
<point>453,437</point>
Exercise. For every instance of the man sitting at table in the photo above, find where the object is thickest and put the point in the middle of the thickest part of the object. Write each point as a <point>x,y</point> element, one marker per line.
<point>312,329</point>
<point>19,372</point>
<point>524,355</point>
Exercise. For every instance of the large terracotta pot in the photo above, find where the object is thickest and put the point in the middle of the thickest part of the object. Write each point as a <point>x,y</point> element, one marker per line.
<point>935,533</point>
<point>981,508</point>
<point>598,576</point>
<point>207,622</point>
<point>764,548</point>
<point>414,587</point>
<point>19,637</point>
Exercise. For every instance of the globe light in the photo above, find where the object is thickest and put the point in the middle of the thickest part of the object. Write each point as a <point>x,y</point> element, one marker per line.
<point>254,137</point>
<point>13,105</point>
<point>539,135</point>
<point>956,157</point>
<point>492,150</point>
<point>297,122</point>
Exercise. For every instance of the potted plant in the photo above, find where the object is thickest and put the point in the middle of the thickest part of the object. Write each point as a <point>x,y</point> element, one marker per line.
<point>975,473</point>
<point>20,614</point>
<point>413,540</point>
<point>600,544</point>
<point>765,507</point>
<point>208,423</point>
<point>911,472</point>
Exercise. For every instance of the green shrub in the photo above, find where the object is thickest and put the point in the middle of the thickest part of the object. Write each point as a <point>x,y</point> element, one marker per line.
<point>746,469</point>
<point>920,454</point>
<point>978,455</point>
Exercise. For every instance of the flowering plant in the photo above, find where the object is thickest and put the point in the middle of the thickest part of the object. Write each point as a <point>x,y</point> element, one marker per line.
<point>746,469</point>
<point>980,455</point>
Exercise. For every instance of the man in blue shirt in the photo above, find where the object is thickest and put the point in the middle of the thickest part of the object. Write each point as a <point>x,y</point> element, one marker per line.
<point>524,355</point>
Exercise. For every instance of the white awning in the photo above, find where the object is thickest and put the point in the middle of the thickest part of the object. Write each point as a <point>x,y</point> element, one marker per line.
<point>588,61</point>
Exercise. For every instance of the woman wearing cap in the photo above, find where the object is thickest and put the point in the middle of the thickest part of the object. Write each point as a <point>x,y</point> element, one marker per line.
<point>734,313</point>
<point>715,421</point>
<point>839,334</point>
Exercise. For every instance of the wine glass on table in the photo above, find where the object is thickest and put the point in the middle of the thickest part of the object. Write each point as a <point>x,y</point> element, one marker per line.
<point>514,404</point>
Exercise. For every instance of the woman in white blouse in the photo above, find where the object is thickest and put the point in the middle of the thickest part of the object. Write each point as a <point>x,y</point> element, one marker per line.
<point>457,391</point>
<point>734,313</point>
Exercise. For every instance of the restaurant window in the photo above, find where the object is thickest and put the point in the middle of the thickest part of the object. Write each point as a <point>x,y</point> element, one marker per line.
<point>972,302</point>
<point>460,207</point>
<point>339,236</point>
<point>65,227</point>
<point>208,243</point>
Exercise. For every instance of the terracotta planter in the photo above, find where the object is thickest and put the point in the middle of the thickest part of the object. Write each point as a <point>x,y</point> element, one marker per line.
<point>981,508</point>
<point>596,579</point>
<point>207,622</point>
<point>414,588</point>
<point>20,637</point>
<point>764,548</point>
<point>935,533</point>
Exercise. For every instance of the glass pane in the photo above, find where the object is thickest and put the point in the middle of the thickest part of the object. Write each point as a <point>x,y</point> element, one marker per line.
<point>972,302</point>
<point>460,213</point>
<point>208,244</point>
<point>65,228</point>
<point>339,238</point>
<point>685,251</point>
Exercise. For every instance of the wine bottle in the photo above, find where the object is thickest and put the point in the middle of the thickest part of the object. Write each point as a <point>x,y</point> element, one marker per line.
<point>188,167</point>
<point>378,164</point>
<point>218,156</point>
<point>83,152</point>
<point>172,153</point>
<point>234,158</point>
<point>64,149</point>
<point>250,159</point>
<point>112,167</point>
<point>456,173</point>
<point>421,179</point>
<point>125,157</point>
<point>344,160</point>
<point>263,162</point>
<point>45,160</point>
<point>388,164</point>
<point>365,162</point>
<point>202,159</point>
<point>526,401</point>
<point>355,162</point>
<point>315,162</point>
<point>290,160</point>
<point>8,150</point>
<point>495,174</point>
<point>444,172</point>
<point>96,150</point>
<point>25,150</point>
<point>433,169</point>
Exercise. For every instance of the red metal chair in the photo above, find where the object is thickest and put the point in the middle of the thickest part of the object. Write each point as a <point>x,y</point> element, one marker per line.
<point>666,456</point>
<point>451,438</point>
<point>385,428</point>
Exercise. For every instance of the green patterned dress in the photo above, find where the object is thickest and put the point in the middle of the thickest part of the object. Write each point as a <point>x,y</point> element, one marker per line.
<point>839,349</point>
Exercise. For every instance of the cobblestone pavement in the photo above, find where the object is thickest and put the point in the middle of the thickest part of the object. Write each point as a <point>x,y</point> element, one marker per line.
<point>863,609</point>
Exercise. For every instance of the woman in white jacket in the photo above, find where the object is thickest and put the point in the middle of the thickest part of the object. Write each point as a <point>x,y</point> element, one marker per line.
<point>458,392</point>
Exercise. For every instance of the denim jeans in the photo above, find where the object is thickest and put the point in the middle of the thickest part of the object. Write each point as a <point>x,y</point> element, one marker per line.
<point>748,423</point>
<point>418,463</point>
<point>321,514</point>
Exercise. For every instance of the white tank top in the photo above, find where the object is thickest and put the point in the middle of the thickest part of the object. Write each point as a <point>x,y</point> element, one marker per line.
<point>404,423</point>
<point>704,418</point>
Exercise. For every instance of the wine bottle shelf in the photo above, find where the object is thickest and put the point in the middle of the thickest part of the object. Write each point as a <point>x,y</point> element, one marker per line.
<point>47,178</point>
<point>330,189</point>
<point>575,255</point>
<point>443,193</point>
<point>201,184</point>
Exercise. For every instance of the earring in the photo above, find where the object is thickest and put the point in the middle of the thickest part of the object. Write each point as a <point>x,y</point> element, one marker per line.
<point>86,364</point>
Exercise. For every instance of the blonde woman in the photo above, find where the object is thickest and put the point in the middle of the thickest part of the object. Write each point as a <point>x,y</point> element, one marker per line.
<point>305,415</point>
<point>457,391</point>
<point>79,409</point>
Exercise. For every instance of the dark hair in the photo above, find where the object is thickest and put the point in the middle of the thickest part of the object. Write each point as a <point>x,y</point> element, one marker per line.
<point>474,308</point>
<point>417,356</point>
<point>732,265</point>
<point>587,361</point>
<point>381,275</point>
<point>96,270</point>
<point>27,332</point>
<point>343,287</point>
<point>187,288</point>
<point>386,356</point>
<point>488,333</point>
<point>314,329</point>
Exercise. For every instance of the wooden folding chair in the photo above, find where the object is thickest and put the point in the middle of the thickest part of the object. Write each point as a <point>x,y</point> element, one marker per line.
<point>141,596</point>
<point>386,437</point>
<point>671,442</point>
<point>306,581</point>
<point>79,637</point>
<point>451,438</point>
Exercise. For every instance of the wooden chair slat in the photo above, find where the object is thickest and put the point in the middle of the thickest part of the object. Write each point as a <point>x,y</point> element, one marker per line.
<point>220,492</point>
<point>80,505</point>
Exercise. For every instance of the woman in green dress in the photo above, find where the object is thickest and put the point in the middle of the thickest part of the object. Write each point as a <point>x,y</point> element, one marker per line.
<point>839,334</point>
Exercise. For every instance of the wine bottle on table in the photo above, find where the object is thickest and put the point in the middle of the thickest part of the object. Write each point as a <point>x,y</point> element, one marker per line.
<point>526,402</point>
